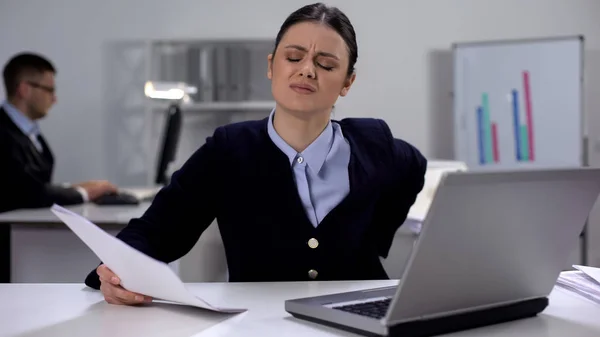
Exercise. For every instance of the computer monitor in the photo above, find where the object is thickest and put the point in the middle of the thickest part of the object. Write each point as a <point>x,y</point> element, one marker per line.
<point>170,140</point>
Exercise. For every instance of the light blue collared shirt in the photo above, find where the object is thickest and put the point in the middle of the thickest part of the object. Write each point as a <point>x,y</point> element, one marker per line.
<point>320,171</point>
<point>26,125</point>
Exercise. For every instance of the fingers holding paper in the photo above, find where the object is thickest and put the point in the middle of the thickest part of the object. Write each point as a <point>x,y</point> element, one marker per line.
<point>114,293</point>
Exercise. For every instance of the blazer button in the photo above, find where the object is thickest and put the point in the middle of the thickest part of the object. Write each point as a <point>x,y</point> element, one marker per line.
<point>313,274</point>
<point>313,243</point>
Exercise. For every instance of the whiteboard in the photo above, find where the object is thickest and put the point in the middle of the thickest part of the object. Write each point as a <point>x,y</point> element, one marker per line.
<point>518,104</point>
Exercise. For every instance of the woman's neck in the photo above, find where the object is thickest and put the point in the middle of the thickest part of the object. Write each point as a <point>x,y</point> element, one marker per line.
<point>299,132</point>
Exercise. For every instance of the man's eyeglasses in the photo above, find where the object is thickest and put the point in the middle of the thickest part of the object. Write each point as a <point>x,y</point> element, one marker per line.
<point>46,88</point>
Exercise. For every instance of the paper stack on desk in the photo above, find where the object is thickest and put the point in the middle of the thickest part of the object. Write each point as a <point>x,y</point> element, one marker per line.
<point>584,281</point>
<point>433,176</point>
<point>138,272</point>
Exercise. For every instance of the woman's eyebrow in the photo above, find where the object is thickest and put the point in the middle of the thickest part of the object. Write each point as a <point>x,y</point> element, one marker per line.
<point>322,53</point>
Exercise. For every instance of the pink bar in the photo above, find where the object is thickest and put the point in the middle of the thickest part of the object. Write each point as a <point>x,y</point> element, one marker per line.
<point>495,142</point>
<point>529,113</point>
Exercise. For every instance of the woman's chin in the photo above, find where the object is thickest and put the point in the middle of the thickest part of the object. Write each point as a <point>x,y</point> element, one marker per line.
<point>302,107</point>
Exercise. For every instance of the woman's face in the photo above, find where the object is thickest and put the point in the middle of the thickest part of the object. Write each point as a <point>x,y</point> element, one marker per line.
<point>309,70</point>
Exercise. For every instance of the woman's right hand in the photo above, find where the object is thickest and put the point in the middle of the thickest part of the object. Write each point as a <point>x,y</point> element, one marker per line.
<point>114,293</point>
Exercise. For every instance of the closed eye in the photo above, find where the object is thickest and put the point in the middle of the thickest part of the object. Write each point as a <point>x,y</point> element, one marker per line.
<point>290,59</point>
<point>326,68</point>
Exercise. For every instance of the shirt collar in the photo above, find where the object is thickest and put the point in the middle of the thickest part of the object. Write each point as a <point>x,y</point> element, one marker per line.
<point>314,155</point>
<point>26,125</point>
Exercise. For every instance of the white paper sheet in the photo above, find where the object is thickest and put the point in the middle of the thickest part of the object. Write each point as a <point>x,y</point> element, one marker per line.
<point>433,177</point>
<point>138,272</point>
<point>580,283</point>
<point>591,272</point>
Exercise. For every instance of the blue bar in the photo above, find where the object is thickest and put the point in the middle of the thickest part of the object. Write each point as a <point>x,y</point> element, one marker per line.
<point>487,124</point>
<point>481,135</point>
<point>516,123</point>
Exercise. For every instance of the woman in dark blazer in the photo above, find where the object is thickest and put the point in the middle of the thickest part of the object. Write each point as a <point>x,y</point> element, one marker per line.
<point>297,196</point>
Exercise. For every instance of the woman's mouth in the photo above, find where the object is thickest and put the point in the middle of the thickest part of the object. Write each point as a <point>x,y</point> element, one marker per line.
<point>303,88</point>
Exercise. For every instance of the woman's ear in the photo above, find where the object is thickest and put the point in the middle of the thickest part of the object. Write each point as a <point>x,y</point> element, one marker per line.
<point>348,84</point>
<point>270,66</point>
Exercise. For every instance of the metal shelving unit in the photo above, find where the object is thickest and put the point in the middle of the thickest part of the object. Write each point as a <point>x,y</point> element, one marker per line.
<point>230,77</point>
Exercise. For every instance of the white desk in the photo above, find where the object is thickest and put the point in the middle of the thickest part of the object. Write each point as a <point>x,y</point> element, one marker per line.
<point>100,215</point>
<point>45,250</point>
<point>45,231</point>
<point>74,310</point>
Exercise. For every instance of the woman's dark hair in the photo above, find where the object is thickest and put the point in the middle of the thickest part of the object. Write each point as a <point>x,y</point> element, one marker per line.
<point>330,16</point>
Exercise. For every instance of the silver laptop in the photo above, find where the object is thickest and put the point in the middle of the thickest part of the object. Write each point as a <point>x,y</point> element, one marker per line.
<point>491,249</point>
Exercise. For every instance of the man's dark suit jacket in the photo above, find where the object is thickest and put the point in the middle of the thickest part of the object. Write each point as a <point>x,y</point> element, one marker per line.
<point>242,179</point>
<point>26,173</point>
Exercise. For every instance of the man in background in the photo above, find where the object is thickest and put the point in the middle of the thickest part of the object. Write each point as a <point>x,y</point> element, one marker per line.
<point>26,161</point>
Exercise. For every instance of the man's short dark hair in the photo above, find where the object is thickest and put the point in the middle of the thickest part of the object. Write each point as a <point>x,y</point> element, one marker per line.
<point>22,65</point>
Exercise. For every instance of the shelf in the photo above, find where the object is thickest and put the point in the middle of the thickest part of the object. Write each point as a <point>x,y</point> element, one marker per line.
<point>220,106</point>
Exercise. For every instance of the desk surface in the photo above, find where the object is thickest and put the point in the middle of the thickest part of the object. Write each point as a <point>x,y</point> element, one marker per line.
<point>100,215</point>
<point>74,310</point>
<point>97,214</point>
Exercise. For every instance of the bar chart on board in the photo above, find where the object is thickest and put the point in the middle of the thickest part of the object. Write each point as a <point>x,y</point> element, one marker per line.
<point>518,105</point>
<point>487,137</point>
<point>522,128</point>
<point>523,132</point>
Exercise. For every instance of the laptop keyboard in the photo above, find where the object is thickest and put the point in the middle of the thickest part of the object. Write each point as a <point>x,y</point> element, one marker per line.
<point>375,309</point>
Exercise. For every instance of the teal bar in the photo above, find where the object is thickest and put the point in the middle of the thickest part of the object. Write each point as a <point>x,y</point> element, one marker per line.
<point>524,143</point>
<point>487,127</point>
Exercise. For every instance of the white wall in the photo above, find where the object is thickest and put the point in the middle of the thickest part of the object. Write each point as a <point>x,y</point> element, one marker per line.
<point>403,70</point>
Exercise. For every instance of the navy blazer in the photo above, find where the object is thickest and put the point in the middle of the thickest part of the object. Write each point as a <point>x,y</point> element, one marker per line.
<point>243,180</point>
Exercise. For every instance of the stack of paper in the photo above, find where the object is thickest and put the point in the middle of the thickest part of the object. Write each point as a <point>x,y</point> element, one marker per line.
<point>433,177</point>
<point>584,281</point>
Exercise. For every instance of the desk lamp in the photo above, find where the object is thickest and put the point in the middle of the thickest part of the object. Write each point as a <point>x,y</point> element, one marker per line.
<point>172,91</point>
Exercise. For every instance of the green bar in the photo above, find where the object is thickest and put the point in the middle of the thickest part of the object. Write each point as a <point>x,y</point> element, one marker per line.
<point>487,125</point>
<point>524,143</point>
